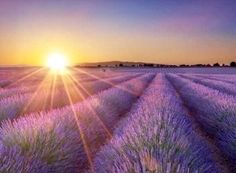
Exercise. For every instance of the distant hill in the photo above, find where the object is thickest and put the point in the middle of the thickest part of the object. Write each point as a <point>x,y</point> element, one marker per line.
<point>122,64</point>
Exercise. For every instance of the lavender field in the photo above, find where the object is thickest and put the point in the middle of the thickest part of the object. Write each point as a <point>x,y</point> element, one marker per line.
<point>118,120</point>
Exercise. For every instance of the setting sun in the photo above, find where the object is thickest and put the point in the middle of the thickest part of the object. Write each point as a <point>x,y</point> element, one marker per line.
<point>57,61</point>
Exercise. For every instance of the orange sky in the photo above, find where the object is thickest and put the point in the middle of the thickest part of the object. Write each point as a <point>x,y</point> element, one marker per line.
<point>91,33</point>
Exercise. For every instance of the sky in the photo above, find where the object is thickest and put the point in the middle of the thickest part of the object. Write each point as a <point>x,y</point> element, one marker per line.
<point>159,31</point>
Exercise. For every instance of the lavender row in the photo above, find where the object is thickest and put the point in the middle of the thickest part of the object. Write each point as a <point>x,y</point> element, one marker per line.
<point>30,87</point>
<point>55,141</point>
<point>215,111</point>
<point>93,75</point>
<point>223,78</point>
<point>17,105</point>
<point>13,76</point>
<point>47,78</point>
<point>37,76</point>
<point>4,83</point>
<point>157,136</point>
<point>218,85</point>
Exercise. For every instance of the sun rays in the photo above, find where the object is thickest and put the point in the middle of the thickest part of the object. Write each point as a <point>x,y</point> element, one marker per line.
<point>42,97</point>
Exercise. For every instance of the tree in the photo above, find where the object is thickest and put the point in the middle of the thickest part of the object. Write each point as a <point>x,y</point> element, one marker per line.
<point>216,65</point>
<point>121,65</point>
<point>233,64</point>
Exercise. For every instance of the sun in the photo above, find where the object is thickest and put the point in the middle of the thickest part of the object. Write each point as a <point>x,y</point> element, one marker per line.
<point>57,61</point>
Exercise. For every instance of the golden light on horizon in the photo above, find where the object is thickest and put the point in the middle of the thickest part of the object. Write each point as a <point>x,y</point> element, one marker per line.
<point>57,62</point>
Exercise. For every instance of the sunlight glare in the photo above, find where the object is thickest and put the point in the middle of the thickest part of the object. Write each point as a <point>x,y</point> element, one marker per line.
<point>57,62</point>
